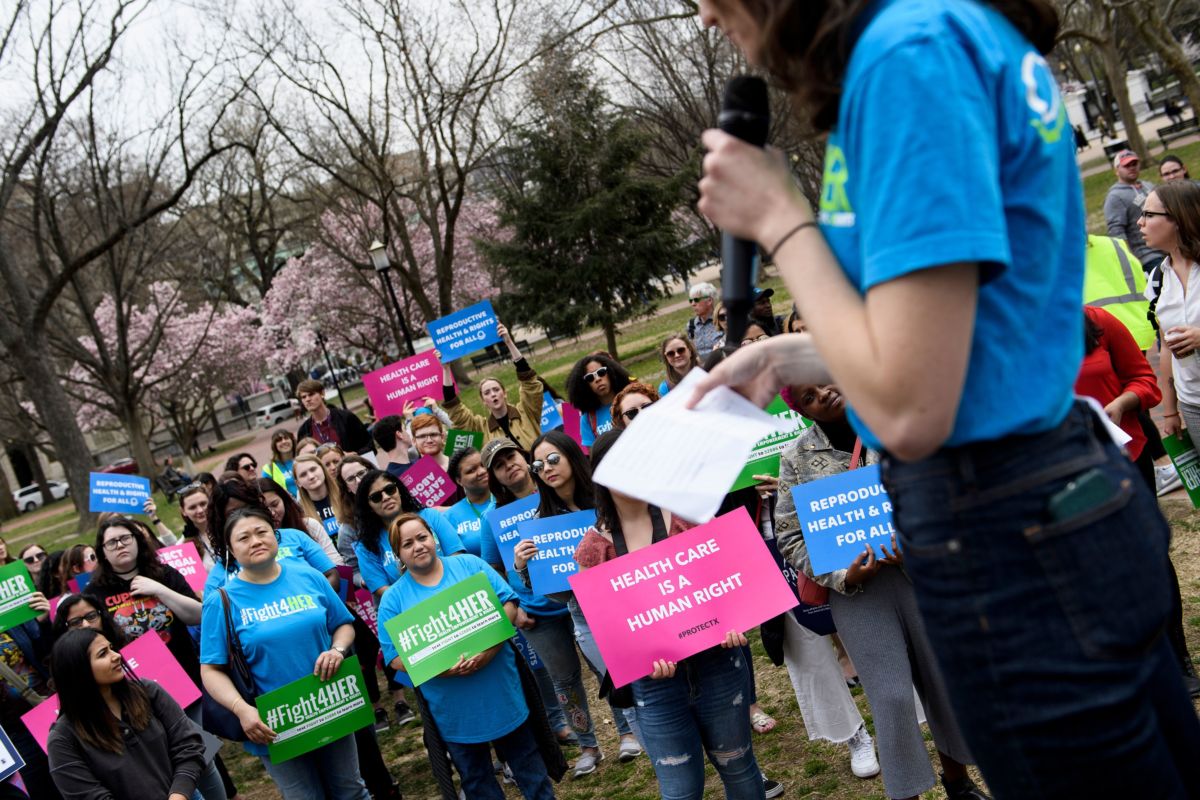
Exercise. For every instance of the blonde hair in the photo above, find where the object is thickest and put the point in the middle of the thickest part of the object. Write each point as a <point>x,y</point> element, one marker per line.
<point>336,500</point>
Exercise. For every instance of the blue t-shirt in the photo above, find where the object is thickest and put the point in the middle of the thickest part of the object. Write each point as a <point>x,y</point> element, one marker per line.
<point>473,708</point>
<point>663,388</point>
<point>952,145</point>
<point>604,422</point>
<point>383,568</point>
<point>282,625</point>
<point>467,521</point>
<point>293,544</point>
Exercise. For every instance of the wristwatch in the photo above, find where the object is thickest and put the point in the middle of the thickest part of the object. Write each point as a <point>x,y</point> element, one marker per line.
<point>342,651</point>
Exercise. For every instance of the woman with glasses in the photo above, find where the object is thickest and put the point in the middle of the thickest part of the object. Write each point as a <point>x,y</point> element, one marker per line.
<point>232,494</point>
<point>314,639</point>
<point>1171,168</point>
<point>243,464</point>
<point>678,355</point>
<point>319,495</point>
<point>117,737</point>
<point>34,556</point>
<point>593,383</point>
<point>754,333</point>
<point>142,594</point>
<point>287,513</point>
<point>629,402</point>
<point>279,468</point>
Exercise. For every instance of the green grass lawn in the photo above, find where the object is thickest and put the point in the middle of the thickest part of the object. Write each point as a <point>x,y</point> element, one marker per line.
<point>1095,187</point>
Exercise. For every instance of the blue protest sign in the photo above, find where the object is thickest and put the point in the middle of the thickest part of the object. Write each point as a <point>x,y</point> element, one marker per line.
<point>125,494</point>
<point>551,418</point>
<point>503,523</point>
<point>840,514</point>
<point>556,539</point>
<point>531,656</point>
<point>465,331</point>
<point>10,759</point>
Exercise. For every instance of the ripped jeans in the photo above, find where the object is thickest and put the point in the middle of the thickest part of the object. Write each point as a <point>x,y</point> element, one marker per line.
<point>703,710</point>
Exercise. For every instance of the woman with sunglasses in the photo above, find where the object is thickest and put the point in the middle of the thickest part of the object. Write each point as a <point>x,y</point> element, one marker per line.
<point>687,709</point>
<point>279,468</point>
<point>117,737</point>
<point>678,356</point>
<point>594,381</point>
<point>287,513</point>
<point>143,594</point>
<point>564,481</point>
<point>243,464</point>
<point>34,556</point>
<point>629,402</point>
<point>233,493</point>
<point>320,497</point>
<point>77,560</point>
<point>314,639</point>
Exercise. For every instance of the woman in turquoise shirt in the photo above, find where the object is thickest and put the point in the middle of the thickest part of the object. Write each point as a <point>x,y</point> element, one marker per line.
<point>940,283</point>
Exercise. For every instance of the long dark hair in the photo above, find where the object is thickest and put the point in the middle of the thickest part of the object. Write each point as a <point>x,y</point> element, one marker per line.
<point>550,504</point>
<point>147,564</point>
<point>806,46</point>
<point>345,513</point>
<point>79,698</point>
<point>107,626</point>
<point>232,486</point>
<point>580,393</point>
<point>293,517</point>
<point>606,508</point>
<point>1091,334</point>
<point>370,525</point>
<point>231,463</point>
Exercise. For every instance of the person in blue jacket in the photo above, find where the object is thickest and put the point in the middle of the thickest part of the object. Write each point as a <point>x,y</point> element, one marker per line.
<point>947,311</point>
<point>478,703</point>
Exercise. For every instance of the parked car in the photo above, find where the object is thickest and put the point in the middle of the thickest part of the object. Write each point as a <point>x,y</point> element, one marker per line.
<point>272,415</point>
<point>29,497</point>
<point>123,466</point>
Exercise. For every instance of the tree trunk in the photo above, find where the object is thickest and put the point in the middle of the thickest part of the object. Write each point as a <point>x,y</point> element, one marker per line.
<point>39,474</point>
<point>1110,57</point>
<point>54,410</point>
<point>459,371</point>
<point>8,508</point>
<point>610,338</point>
<point>139,444</point>
<point>1158,35</point>
<point>212,417</point>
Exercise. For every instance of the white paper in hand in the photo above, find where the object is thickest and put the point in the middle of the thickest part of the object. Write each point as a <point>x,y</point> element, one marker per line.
<point>686,460</point>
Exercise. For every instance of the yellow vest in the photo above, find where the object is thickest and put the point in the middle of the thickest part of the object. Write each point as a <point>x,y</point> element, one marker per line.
<point>1113,280</point>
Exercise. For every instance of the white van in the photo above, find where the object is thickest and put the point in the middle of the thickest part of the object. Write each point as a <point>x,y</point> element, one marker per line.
<point>272,415</point>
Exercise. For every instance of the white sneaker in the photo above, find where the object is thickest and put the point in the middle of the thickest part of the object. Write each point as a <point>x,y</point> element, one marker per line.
<point>862,754</point>
<point>1166,479</point>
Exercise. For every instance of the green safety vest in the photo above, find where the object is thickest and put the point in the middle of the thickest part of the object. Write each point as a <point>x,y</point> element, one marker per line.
<point>1113,280</point>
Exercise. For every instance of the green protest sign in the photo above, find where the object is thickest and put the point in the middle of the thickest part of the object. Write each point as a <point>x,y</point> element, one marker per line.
<point>456,440</point>
<point>310,713</point>
<point>16,587</point>
<point>462,620</point>
<point>1187,464</point>
<point>764,458</point>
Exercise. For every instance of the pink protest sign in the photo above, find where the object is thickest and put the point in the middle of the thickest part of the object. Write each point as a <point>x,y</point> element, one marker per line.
<point>150,660</point>
<point>682,595</point>
<point>54,601</point>
<point>427,482</point>
<point>362,605</point>
<point>572,420</point>
<point>186,559</point>
<point>410,379</point>
<point>39,719</point>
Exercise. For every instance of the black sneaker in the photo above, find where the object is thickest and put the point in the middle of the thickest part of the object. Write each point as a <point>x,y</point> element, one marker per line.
<point>772,788</point>
<point>963,789</point>
<point>404,714</point>
<point>381,720</point>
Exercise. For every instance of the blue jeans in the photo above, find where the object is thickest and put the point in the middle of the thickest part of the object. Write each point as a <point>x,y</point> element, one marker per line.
<point>327,773</point>
<point>554,640</point>
<point>702,710</point>
<point>1049,631</point>
<point>518,750</point>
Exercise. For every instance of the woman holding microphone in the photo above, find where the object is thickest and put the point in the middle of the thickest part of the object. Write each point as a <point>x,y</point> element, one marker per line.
<point>932,322</point>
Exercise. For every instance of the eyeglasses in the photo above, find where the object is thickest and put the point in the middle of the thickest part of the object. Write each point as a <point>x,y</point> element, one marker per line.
<point>590,377</point>
<point>90,557</point>
<point>698,299</point>
<point>1153,214</point>
<point>755,339</point>
<point>35,558</point>
<point>676,353</point>
<point>721,317</point>
<point>77,622</point>
<point>431,435</point>
<point>253,465</point>
<point>553,460</point>
<point>117,542</point>
<point>630,413</point>
<point>1171,173</point>
<point>387,491</point>
<point>325,448</point>
<point>356,477</point>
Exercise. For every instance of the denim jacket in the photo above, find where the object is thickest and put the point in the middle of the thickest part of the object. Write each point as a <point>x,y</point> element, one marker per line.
<point>809,458</point>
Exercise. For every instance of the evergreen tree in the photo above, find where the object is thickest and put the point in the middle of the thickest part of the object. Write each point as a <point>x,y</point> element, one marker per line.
<point>591,238</point>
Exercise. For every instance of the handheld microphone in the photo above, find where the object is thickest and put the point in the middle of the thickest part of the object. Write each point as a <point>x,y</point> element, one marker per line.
<point>746,114</point>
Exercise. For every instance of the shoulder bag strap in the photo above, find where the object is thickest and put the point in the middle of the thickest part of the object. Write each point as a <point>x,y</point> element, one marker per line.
<point>237,658</point>
<point>856,456</point>
<point>657,524</point>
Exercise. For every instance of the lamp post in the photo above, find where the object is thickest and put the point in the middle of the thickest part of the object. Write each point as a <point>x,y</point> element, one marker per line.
<point>332,374</point>
<point>383,265</point>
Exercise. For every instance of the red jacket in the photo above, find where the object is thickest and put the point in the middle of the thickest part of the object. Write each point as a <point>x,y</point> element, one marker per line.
<point>1117,366</point>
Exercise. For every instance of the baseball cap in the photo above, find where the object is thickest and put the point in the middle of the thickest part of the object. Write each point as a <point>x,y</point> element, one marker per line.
<point>1124,157</point>
<point>759,294</point>
<point>493,447</point>
<point>702,289</point>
